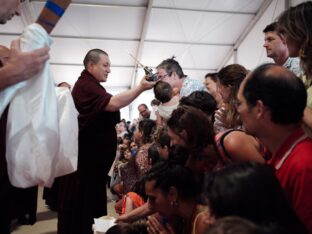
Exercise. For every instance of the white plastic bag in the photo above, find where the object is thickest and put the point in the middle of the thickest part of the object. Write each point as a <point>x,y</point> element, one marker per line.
<point>32,137</point>
<point>68,129</point>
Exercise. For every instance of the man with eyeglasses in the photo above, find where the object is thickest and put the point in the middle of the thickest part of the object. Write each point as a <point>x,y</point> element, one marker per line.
<point>171,72</point>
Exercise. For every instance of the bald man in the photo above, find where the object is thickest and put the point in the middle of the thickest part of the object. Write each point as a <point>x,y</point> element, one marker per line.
<point>271,105</point>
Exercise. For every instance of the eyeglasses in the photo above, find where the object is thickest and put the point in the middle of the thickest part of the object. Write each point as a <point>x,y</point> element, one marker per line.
<point>159,77</point>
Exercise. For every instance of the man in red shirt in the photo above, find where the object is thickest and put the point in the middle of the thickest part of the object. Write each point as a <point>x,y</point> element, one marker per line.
<point>271,104</point>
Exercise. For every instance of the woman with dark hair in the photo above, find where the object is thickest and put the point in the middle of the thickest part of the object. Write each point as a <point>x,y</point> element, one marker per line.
<point>189,127</point>
<point>252,191</point>
<point>211,80</point>
<point>230,78</point>
<point>232,142</point>
<point>201,100</point>
<point>295,24</point>
<point>173,193</point>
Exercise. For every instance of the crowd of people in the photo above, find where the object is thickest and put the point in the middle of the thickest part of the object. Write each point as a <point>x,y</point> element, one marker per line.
<point>230,155</point>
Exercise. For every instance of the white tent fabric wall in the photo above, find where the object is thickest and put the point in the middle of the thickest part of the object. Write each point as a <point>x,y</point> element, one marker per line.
<point>200,33</point>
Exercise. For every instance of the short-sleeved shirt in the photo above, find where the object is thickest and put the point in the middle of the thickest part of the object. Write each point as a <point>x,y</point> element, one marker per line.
<point>293,164</point>
<point>293,64</point>
<point>189,86</point>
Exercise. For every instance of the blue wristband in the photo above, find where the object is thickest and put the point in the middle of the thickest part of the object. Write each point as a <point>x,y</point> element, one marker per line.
<point>56,9</point>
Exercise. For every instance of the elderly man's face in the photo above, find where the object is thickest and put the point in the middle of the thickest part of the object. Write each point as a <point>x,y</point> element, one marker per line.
<point>8,9</point>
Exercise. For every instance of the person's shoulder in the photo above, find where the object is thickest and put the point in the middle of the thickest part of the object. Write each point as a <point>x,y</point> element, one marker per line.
<point>304,148</point>
<point>301,156</point>
<point>87,85</point>
<point>236,140</point>
<point>194,81</point>
<point>191,85</point>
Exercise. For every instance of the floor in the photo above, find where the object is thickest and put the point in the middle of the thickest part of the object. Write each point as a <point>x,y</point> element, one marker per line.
<point>47,219</point>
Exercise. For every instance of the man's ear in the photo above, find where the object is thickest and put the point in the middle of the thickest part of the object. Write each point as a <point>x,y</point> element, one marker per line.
<point>282,39</point>
<point>90,66</point>
<point>260,109</point>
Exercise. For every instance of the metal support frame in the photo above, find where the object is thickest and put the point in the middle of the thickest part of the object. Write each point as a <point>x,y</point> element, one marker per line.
<point>246,31</point>
<point>141,47</point>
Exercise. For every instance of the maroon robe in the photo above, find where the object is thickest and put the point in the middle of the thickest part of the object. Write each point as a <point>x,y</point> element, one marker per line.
<point>14,202</point>
<point>83,193</point>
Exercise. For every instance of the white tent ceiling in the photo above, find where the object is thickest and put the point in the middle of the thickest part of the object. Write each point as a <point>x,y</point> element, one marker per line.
<point>204,35</point>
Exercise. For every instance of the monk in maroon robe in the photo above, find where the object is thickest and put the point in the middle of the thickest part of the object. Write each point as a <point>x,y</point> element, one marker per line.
<point>84,192</point>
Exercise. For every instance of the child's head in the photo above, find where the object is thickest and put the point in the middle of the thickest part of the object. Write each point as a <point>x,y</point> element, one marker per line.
<point>163,91</point>
<point>127,154</point>
<point>126,228</point>
<point>153,154</point>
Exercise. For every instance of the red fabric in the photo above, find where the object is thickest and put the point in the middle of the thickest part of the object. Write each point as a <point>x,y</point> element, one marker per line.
<point>83,194</point>
<point>136,199</point>
<point>295,175</point>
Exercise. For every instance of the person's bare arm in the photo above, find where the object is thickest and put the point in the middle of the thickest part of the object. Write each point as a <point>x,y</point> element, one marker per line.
<point>129,205</point>
<point>125,98</point>
<point>242,147</point>
<point>51,13</point>
<point>22,65</point>
<point>136,214</point>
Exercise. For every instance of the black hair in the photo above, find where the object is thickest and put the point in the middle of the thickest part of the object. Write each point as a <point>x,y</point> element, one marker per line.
<point>178,155</point>
<point>238,225</point>
<point>161,136</point>
<point>153,154</point>
<point>197,126</point>
<point>147,127</point>
<point>93,56</point>
<point>126,228</point>
<point>155,102</point>
<point>171,65</point>
<point>213,76</point>
<point>143,104</point>
<point>282,92</point>
<point>163,91</point>
<point>270,28</point>
<point>251,190</point>
<point>201,100</point>
<point>167,174</point>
